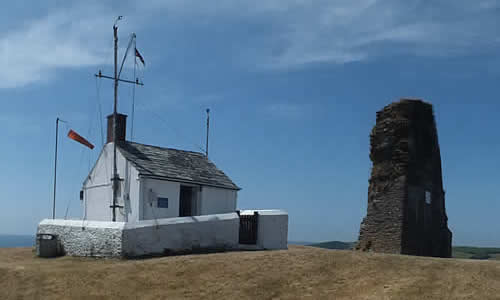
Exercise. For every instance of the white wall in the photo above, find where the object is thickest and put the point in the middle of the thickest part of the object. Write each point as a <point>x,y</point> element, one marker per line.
<point>272,232</point>
<point>184,234</point>
<point>171,235</point>
<point>96,203</point>
<point>132,195</point>
<point>98,190</point>
<point>163,236</point>
<point>153,188</point>
<point>86,238</point>
<point>209,201</point>
<point>217,200</point>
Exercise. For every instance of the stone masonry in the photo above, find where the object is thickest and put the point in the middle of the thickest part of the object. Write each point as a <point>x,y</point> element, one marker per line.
<point>406,202</point>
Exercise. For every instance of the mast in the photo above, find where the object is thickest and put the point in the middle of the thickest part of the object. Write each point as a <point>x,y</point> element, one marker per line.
<point>55,169</point>
<point>115,180</point>
<point>55,172</point>
<point>208,128</point>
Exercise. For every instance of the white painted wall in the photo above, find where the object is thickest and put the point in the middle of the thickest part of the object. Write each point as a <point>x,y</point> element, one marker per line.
<point>207,202</point>
<point>153,188</point>
<point>96,203</point>
<point>217,232</point>
<point>86,238</point>
<point>133,195</point>
<point>272,232</point>
<point>217,200</point>
<point>209,232</point>
<point>98,190</point>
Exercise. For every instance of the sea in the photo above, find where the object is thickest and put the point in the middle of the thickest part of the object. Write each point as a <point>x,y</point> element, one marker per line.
<point>11,241</point>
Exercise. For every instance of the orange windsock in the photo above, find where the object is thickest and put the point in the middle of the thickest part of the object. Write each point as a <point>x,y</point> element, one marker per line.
<point>75,136</point>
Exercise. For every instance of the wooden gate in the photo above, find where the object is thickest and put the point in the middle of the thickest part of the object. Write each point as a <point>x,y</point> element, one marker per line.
<point>248,228</point>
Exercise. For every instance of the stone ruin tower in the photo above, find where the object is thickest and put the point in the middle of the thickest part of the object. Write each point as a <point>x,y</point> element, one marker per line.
<point>406,207</point>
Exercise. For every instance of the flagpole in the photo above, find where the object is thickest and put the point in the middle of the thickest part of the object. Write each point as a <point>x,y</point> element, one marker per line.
<point>55,169</point>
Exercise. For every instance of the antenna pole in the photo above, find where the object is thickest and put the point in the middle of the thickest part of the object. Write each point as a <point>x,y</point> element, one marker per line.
<point>55,172</point>
<point>115,172</point>
<point>133,95</point>
<point>208,128</point>
<point>116,78</point>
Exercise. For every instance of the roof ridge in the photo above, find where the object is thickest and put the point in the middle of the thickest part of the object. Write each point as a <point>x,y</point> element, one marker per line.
<point>165,148</point>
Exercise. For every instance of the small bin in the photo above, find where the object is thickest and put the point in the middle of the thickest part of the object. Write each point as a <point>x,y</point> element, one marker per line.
<point>47,245</point>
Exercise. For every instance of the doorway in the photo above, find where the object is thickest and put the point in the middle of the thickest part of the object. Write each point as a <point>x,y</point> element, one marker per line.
<point>186,201</point>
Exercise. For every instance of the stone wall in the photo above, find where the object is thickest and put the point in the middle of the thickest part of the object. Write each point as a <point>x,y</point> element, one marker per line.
<point>406,209</point>
<point>85,238</point>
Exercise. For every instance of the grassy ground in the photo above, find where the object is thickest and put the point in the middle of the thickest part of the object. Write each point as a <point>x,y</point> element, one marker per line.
<point>297,273</point>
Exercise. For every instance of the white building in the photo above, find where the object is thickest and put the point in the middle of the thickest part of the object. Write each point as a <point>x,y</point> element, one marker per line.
<point>170,201</point>
<point>155,183</point>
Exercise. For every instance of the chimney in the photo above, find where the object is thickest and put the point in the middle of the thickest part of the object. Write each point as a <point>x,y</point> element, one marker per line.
<point>121,128</point>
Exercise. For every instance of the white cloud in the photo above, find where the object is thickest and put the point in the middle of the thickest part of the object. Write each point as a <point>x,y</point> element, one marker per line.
<point>359,30</point>
<point>340,31</point>
<point>304,32</point>
<point>62,39</point>
<point>293,33</point>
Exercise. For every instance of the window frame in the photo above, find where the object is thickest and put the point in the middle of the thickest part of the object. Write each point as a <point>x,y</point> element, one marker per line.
<point>161,200</point>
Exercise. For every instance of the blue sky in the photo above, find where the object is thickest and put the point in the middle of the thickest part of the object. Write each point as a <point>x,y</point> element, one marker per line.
<point>293,87</point>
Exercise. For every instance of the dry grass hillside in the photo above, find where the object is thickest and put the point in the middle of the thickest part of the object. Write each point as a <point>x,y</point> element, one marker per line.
<point>300,272</point>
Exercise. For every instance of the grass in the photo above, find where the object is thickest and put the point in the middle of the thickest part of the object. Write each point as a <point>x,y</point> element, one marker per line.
<point>297,273</point>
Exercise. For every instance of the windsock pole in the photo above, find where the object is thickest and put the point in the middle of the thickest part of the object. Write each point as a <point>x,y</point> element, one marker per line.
<point>55,169</point>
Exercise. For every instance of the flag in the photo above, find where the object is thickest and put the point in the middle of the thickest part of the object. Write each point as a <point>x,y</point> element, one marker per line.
<point>139,56</point>
<point>76,137</point>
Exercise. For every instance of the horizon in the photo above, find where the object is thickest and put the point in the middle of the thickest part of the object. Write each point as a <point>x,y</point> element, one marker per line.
<point>293,88</point>
<point>290,242</point>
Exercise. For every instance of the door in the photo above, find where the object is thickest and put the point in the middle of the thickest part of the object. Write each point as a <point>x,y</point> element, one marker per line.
<point>249,228</point>
<point>185,201</point>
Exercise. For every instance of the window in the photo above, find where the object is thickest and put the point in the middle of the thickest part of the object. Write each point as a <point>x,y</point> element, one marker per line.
<point>162,202</point>
<point>428,198</point>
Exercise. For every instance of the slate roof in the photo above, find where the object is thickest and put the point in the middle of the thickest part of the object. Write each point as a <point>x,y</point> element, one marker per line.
<point>173,164</point>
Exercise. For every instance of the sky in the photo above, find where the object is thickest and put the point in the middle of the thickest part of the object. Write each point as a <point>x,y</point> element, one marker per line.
<point>293,87</point>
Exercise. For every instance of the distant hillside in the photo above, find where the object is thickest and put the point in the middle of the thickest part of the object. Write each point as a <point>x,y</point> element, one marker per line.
<point>299,243</point>
<point>9,241</point>
<point>334,245</point>
<point>476,252</point>
<point>458,251</point>
<point>298,273</point>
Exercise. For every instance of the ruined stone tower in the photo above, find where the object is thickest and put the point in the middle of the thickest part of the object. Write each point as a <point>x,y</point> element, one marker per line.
<point>406,207</point>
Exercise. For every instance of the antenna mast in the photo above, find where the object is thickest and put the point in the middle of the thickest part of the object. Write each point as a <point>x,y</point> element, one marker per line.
<point>116,78</point>
<point>115,179</point>
<point>208,128</point>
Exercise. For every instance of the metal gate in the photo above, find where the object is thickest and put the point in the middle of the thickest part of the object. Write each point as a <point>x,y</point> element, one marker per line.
<point>248,228</point>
